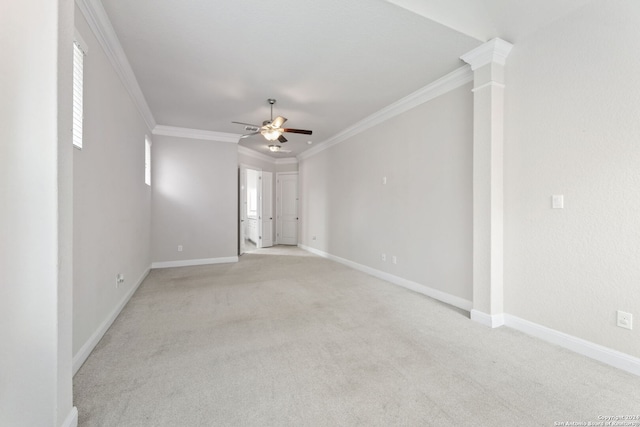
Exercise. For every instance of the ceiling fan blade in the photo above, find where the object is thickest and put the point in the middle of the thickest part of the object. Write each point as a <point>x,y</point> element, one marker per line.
<point>278,122</point>
<point>249,134</point>
<point>305,132</point>
<point>281,138</point>
<point>247,124</point>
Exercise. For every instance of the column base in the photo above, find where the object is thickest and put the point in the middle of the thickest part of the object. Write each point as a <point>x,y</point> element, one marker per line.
<point>490,320</point>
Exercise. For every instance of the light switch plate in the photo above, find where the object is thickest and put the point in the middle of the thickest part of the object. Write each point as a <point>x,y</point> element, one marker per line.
<point>557,201</point>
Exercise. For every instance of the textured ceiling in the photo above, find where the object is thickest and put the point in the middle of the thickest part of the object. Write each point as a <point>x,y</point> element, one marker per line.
<point>202,64</point>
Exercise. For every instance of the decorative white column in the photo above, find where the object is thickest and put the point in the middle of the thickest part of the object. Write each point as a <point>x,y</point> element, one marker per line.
<point>487,62</point>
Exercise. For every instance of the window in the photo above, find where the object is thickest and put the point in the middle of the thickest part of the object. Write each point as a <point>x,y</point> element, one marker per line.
<point>78,60</point>
<point>147,160</point>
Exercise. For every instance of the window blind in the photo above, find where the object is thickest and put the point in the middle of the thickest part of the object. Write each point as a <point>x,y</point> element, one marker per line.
<point>78,59</point>
<point>147,160</point>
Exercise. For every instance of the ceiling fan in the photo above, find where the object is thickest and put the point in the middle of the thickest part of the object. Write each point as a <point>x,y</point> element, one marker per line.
<point>271,129</point>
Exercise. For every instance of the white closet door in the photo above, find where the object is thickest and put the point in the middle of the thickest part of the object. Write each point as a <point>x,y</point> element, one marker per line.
<point>267,209</point>
<point>287,209</point>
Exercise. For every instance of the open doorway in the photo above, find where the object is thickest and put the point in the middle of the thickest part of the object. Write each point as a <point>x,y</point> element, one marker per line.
<point>256,212</point>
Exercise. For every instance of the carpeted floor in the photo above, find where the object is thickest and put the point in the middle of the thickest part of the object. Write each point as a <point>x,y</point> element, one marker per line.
<point>285,338</point>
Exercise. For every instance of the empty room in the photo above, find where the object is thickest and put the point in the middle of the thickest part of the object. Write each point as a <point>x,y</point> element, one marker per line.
<point>354,213</point>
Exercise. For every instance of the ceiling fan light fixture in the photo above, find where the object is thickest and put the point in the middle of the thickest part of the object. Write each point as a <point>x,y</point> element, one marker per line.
<point>272,129</point>
<point>274,148</point>
<point>271,134</point>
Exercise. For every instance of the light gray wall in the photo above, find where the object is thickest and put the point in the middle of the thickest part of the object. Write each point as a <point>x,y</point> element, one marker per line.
<point>111,201</point>
<point>573,128</point>
<point>287,167</point>
<point>35,213</point>
<point>195,199</point>
<point>423,215</point>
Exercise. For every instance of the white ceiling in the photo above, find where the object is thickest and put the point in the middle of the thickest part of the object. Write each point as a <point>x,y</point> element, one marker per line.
<point>202,64</point>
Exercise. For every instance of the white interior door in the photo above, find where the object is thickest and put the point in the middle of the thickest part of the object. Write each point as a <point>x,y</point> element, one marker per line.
<point>242,208</point>
<point>287,208</point>
<point>267,209</point>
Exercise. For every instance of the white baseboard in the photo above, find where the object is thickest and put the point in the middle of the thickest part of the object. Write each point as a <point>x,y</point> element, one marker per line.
<point>594,351</point>
<point>490,320</point>
<point>416,287</point>
<point>192,262</point>
<point>84,352</point>
<point>72,418</point>
<point>598,352</point>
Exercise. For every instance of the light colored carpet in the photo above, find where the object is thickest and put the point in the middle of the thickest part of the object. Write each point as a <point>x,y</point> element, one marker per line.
<point>285,338</point>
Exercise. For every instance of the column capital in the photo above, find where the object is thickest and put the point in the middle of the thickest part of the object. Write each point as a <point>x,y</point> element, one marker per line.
<point>495,50</point>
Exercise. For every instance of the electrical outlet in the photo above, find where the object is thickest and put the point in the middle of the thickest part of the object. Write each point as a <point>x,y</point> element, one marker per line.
<point>394,259</point>
<point>119,280</point>
<point>384,257</point>
<point>179,248</point>
<point>625,320</point>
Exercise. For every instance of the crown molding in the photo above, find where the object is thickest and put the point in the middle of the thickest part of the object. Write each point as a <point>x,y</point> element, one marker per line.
<point>287,161</point>
<point>439,87</point>
<point>495,50</point>
<point>257,155</point>
<point>99,23</point>
<point>207,135</point>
